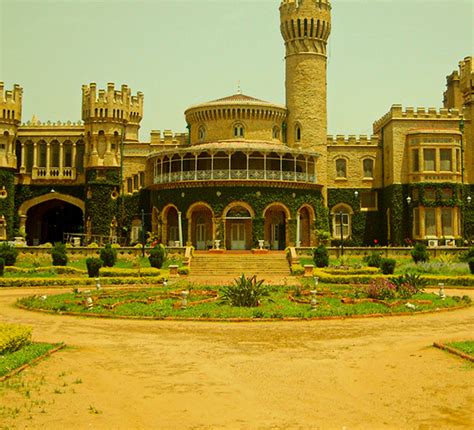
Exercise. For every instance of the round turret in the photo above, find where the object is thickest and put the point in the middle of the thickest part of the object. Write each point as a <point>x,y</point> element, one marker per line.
<point>10,118</point>
<point>238,117</point>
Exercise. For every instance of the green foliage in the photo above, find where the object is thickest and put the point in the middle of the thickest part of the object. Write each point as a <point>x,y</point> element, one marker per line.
<point>321,256</point>
<point>9,253</point>
<point>467,346</point>
<point>419,253</point>
<point>466,256</point>
<point>409,284</point>
<point>13,337</point>
<point>387,265</point>
<point>93,267</point>
<point>59,254</point>
<point>471,265</point>
<point>373,259</point>
<point>7,205</point>
<point>297,269</point>
<point>246,292</point>
<point>2,266</point>
<point>157,256</point>
<point>108,255</point>
<point>381,289</point>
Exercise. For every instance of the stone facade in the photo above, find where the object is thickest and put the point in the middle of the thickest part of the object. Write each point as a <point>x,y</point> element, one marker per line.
<point>246,171</point>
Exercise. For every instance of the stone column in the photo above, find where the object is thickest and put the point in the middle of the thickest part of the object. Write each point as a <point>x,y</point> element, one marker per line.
<point>298,225</point>
<point>61,157</point>
<point>35,155</point>
<point>73,155</point>
<point>180,229</point>
<point>23,160</point>
<point>48,157</point>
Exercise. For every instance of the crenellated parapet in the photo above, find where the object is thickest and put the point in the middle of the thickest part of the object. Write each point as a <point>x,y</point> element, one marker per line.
<point>353,140</point>
<point>466,80</point>
<point>168,138</point>
<point>420,113</point>
<point>305,25</point>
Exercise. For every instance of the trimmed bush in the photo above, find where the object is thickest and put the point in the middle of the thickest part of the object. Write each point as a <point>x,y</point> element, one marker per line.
<point>59,254</point>
<point>419,253</point>
<point>93,267</point>
<point>13,337</point>
<point>157,256</point>
<point>466,256</point>
<point>9,253</point>
<point>2,266</point>
<point>246,292</point>
<point>108,255</point>
<point>387,265</point>
<point>321,256</point>
<point>374,259</point>
<point>471,265</point>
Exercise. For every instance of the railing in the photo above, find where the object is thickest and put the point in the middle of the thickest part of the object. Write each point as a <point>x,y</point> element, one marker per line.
<point>65,173</point>
<point>223,175</point>
<point>435,177</point>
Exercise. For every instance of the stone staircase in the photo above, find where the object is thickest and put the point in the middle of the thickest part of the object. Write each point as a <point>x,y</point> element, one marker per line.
<point>234,264</point>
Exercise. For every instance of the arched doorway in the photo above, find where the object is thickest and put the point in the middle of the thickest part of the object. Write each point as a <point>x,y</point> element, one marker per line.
<point>49,220</point>
<point>276,217</point>
<point>170,226</point>
<point>306,218</point>
<point>238,226</point>
<point>201,226</point>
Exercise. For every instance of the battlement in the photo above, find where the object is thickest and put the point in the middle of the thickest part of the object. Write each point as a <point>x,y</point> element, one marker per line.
<point>60,124</point>
<point>397,112</point>
<point>111,104</point>
<point>10,103</point>
<point>294,5</point>
<point>466,79</point>
<point>362,140</point>
<point>168,138</point>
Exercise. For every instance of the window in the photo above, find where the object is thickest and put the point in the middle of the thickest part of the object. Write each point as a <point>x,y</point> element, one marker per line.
<point>368,200</point>
<point>142,179</point>
<point>416,222</point>
<point>341,169</point>
<point>276,133</point>
<point>447,221</point>
<point>446,162</point>
<point>129,185</point>
<point>135,182</point>
<point>415,161</point>
<point>446,193</point>
<point>67,155</point>
<point>297,133</point>
<point>368,165</point>
<point>341,220</point>
<point>458,160</point>
<point>429,160</point>
<point>42,155</point>
<point>430,221</point>
<point>239,130</point>
<point>430,194</point>
<point>201,133</point>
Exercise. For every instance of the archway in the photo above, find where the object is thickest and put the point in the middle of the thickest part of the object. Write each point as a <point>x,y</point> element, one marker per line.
<point>49,220</point>
<point>201,226</point>
<point>170,225</point>
<point>238,226</point>
<point>306,216</point>
<point>276,216</point>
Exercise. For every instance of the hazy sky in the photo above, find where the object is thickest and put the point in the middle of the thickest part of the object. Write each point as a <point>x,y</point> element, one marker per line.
<point>183,52</point>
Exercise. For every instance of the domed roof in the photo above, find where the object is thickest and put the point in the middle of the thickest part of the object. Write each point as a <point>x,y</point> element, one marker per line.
<point>237,99</point>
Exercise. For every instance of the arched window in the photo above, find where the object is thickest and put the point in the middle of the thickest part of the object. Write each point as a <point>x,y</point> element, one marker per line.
<point>297,133</point>
<point>239,130</point>
<point>341,168</point>
<point>276,132</point>
<point>341,221</point>
<point>368,168</point>
<point>201,133</point>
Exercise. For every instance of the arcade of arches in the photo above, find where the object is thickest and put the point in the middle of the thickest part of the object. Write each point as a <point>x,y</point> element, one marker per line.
<point>234,227</point>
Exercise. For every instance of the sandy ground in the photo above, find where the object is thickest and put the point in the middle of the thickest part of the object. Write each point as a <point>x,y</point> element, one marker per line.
<point>347,374</point>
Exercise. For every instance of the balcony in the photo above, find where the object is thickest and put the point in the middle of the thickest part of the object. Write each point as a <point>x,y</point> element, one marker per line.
<point>54,173</point>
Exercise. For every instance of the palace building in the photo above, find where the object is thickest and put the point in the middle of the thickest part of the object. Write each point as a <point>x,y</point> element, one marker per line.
<point>246,170</point>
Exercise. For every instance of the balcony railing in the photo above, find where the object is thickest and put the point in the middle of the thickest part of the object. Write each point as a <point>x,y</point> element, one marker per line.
<point>64,173</point>
<point>435,177</point>
<point>228,175</point>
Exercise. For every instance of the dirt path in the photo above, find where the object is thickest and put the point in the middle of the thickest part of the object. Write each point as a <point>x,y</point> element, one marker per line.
<point>352,374</point>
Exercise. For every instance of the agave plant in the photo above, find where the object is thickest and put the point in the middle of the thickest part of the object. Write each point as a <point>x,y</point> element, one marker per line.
<point>245,292</point>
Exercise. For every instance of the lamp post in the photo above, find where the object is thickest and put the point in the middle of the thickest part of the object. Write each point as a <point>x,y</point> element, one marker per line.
<point>410,229</point>
<point>342,233</point>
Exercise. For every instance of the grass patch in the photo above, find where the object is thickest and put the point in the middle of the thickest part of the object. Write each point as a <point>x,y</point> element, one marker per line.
<point>165,302</point>
<point>467,346</point>
<point>13,360</point>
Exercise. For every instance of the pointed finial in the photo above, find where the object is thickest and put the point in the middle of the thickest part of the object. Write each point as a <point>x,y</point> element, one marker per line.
<point>34,120</point>
<point>239,90</point>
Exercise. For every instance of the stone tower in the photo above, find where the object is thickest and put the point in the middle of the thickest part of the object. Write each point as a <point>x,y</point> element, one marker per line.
<point>10,118</point>
<point>305,27</point>
<point>111,121</point>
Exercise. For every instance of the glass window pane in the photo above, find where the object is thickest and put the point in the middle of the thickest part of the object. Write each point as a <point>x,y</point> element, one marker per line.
<point>447,221</point>
<point>416,222</point>
<point>341,168</point>
<point>446,160</point>
<point>368,200</point>
<point>415,161</point>
<point>430,222</point>
<point>368,168</point>
<point>430,159</point>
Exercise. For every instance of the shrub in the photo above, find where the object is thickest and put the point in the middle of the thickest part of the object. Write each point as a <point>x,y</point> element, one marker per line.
<point>246,292</point>
<point>466,256</point>
<point>387,265</point>
<point>9,253</point>
<point>59,254</point>
<point>108,255</point>
<point>321,256</point>
<point>374,259</point>
<point>381,289</point>
<point>2,266</point>
<point>13,337</point>
<point>297,269</point>
<point>471,265</point>
<point>412,279</point>
<point>93,267</point>
<point>157,256</point>
<point>419,253</point>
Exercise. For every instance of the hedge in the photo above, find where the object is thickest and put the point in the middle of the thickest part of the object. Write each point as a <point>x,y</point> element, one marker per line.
<point>78,282</point>
<point>110,272</point>
<point>13,337</point>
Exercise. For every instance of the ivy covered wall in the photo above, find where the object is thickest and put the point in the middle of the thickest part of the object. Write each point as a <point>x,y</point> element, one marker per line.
<point>7,202</point>
<point>102,199</point>
<point>258,197</point>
